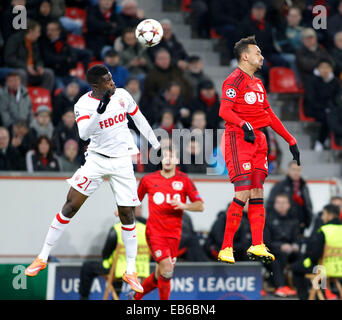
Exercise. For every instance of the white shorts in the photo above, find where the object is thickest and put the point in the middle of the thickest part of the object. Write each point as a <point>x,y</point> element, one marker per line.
<point>119,171</point>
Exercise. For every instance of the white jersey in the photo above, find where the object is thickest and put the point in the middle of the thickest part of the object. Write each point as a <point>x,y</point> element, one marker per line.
<point>108,132</point>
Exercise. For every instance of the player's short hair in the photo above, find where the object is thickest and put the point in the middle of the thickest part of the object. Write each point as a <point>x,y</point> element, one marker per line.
<point>95,73</point>
<point>332,209</point>
<point>242,46</point>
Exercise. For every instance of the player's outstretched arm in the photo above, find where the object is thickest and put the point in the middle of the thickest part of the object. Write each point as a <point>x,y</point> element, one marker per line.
<point>145,129</point>
<point>193,206</point>
<point>86,123</point>
<point>279,128</point>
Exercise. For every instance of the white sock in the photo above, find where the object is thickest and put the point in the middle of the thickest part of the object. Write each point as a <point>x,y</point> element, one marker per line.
<point>129,238</point>
<point>57,227</point>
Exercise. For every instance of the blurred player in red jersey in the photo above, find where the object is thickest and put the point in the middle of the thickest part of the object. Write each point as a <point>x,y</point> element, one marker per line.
<point>245,109</point>
<point>167,191</point>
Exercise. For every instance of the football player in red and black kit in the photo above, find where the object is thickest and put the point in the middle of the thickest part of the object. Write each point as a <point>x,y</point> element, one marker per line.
<point>245,109</point>
<point>167,191</point>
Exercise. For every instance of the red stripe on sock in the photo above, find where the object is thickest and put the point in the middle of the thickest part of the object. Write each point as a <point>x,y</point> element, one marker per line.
<point>61,220</point>
<point>127,229</point>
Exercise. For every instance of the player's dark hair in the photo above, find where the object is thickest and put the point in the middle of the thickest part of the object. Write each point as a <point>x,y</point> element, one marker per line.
<point>95,73</point>
<point>242,46</point>
<point>332,209</point>
<point>333,198</point>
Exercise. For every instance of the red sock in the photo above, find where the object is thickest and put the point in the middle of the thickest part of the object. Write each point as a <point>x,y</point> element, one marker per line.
<point>149,284</point>
<point>164,286</point>
<point>256,217</point>
<point>234,216</point>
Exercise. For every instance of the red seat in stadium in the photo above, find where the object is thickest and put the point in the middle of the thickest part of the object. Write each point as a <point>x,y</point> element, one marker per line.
<point>214,35</point>
<point>93,63</point>
<point>78,72</point>
<point>185,5</point>
<point>333,144</point>
<point>283,80</point>
<point>302,116</point>
<point>77,14</point>
<point>76,41</point>
<point>39,96</point>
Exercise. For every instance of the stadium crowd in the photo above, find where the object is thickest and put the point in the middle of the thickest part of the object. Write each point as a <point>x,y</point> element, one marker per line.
<point>65,37</point>
<point>42,71</point>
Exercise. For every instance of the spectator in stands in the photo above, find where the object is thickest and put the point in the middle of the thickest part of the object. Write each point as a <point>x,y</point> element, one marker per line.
<point>133,55</point>
<point>22,52</point>
<point>322,92</point>
<point>194,73</point>
<point>162,74</point>
<point>167,122</point>
<point>329,232</point>
<point>336,54</point>
<point>170,99</point>
<point>282,237</point>
<point>207,101</point>
<point>133,87</point>
<point>43,14</point>
<point>42,122</point>
<point>10,158</point>
<point>242,238</point>
<point>309,55</point>
<point>15,102</point>
<point>256,23</point>
<point>193,158</point>
<point>61,57</point>
<point>57,8</point>
<point>200,18</point>
<point>334,118</point>
<point>103,27</point>
<point>189,246</point>
<point>91,269</point>
<point>64,101</point>
<point>289,37</point>
<point>298,192</point>
<point>65,130</point>
<point>335,22</point>
<point>172,45</point>
<point>130,15</point>
<point>68,161</point>
<point>118,72</point>
<point>41,158</point>
<point>22,137</point>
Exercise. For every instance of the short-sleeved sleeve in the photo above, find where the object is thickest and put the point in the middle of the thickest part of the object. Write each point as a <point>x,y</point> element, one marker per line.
<point>132,108</point>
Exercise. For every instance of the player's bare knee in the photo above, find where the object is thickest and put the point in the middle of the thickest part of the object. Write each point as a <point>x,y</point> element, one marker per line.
<point>166,268</point>
<point>243,195</point>
<point>126,215</point>
<point>257,193</point>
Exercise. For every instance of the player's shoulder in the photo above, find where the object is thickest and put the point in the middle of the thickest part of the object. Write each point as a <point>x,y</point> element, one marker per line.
<point>182,175</point>
<point>235,79</point>
<point>85,101</point>
<point>121,92</point>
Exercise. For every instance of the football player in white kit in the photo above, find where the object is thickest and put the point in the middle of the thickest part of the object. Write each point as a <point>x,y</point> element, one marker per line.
<point>101,115</point>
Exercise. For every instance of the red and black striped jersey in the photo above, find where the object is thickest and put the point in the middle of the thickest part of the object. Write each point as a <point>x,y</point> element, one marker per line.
<point>247,98</point>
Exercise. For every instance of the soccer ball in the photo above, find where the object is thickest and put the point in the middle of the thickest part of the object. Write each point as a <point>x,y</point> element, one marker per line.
<point>149,32</point>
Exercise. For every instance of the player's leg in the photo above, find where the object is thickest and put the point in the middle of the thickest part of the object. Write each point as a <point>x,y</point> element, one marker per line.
<point>237,156</point>
<point>256,209</point>
<point>164,274</point>
<point>83,183</point>
<point>59,224</point>
<point>124,187</point>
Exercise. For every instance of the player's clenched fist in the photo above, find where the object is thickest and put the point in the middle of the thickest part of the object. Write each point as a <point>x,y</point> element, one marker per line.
<point>104,102</point>
<point>249,133</point>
